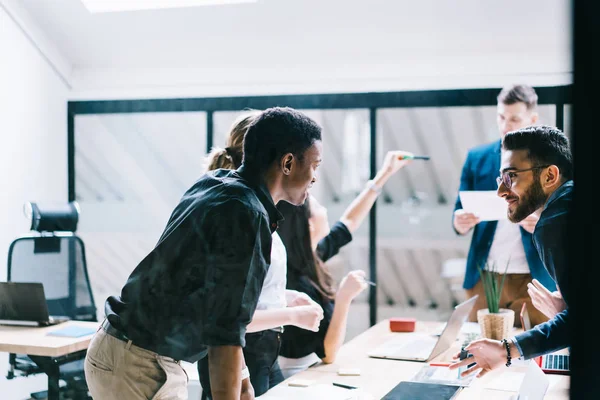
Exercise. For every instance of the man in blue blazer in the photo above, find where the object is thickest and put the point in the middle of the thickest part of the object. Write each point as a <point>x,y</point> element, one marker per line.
<point>536,176</point>
<point>501,242</point>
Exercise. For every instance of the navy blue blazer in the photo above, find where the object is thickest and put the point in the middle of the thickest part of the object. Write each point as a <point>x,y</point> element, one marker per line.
<point>479,172</point>
<point>551,239</point>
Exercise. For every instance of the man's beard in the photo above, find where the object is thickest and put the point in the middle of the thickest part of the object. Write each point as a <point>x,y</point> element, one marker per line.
<point>533,199</point>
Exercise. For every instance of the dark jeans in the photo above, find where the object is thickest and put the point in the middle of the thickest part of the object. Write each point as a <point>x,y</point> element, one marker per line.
<point>261,351</point>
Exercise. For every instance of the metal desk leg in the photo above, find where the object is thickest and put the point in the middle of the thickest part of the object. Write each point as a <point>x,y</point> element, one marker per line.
<point>51,367</point>
<point>53,385</point>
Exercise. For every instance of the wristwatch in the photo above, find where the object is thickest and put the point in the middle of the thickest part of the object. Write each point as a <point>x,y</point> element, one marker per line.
<point>371,185</point>
<point>245,373</point>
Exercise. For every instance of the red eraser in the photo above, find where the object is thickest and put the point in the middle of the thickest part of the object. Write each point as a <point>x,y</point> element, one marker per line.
<point>402,324</point>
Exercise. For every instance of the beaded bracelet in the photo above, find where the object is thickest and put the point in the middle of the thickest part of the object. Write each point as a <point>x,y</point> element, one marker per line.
<point>507,352</point>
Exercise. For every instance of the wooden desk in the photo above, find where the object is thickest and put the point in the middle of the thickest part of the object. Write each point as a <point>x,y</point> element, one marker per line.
<point>48,352</point>
<point>379,376</point>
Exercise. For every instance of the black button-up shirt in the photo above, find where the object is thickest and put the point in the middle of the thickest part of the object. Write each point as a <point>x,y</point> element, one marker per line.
<point>297,342</point>
<point>200,285</point>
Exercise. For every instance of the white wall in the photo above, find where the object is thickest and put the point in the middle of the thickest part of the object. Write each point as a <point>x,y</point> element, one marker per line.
<point>33,127</point>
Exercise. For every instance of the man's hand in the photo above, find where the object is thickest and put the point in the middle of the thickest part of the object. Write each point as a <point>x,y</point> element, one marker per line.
<point>308,317</point>
<point>295,299</point>
<point>549,303</point>
<point>487,355</point>
<point>464,221</point>
<point>247,390</point>
<point>529,223</point>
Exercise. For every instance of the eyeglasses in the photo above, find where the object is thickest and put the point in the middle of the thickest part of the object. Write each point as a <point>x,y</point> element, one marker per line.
<point>506,179</point>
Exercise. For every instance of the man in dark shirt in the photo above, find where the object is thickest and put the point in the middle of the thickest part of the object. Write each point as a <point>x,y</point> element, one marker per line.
<point>536,176</point>
<point>196,291</point>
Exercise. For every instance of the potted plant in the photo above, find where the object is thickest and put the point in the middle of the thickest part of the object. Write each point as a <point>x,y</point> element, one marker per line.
<point>495,322</point>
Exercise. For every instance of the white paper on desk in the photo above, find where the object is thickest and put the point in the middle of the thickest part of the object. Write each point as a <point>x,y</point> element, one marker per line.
<point>442,375</point>
<point>508,381</point>
<point>319,391</point>
<point>484,203</point>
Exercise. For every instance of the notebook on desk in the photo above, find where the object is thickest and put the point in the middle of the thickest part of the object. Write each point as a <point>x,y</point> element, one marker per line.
<point>73,331</point>
<point>24,303</point>
<point>552,363</point>
<point>423,347</point>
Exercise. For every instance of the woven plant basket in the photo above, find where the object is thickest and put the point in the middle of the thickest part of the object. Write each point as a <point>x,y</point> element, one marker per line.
<point>496,326</point>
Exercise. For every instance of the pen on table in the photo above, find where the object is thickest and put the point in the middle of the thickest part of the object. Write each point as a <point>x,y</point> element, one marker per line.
<point>439,364</point>
<point>344,386</point>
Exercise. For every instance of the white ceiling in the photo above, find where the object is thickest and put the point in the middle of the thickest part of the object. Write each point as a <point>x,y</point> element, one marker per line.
<point>301,32</point>
<point>304,46</point>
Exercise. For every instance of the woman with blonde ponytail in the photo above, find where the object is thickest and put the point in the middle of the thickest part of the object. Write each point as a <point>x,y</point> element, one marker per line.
<point>231,156</point>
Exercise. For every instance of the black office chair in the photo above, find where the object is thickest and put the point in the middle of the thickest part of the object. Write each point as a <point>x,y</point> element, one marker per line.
<point>54,256</point>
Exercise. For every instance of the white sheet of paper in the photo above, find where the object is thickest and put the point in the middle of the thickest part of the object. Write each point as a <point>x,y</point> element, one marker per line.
<point>484,203</point>
<point>507,382</point>
<point>535,383</point>
<point>318,391</point>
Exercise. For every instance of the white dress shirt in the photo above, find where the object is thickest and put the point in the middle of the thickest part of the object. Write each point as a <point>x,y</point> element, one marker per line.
<point>507,247</point>
<point>272,295</point>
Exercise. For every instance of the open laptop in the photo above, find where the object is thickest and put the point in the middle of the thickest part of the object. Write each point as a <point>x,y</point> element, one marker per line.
<point>424,347</point>
<point>24,303</point>
<point>553,363</point>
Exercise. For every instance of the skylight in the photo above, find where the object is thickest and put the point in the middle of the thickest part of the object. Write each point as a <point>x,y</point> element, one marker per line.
<point>101,6</point>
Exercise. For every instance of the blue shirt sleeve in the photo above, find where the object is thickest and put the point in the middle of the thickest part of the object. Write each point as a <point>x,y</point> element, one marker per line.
<point>466,183</point>
<point>545,338</point>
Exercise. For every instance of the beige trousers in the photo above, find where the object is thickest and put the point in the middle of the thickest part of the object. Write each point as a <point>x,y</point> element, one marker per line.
<point>514,294</point>
<point>116,370</point>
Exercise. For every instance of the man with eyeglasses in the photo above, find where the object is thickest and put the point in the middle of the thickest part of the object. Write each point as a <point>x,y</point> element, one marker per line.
<point>501,242</point>
<point>536,176</point>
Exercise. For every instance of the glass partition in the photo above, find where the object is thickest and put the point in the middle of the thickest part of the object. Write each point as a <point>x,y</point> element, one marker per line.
<point>131,170</point>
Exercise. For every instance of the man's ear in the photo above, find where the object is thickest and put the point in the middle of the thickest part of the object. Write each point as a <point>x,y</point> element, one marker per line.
<point>534,117</point>
<point>551,177</point>
<point>287,162</point>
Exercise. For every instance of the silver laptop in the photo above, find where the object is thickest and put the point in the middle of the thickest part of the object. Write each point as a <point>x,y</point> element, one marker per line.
<point>424,347</point>
<point>24,303</point>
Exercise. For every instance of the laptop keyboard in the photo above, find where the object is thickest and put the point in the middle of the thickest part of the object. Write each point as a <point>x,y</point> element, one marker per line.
<point>556,361</point>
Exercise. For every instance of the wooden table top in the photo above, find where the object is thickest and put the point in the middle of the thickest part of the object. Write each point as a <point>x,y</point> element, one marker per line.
<point>379,376</point>
<point>35,340</point>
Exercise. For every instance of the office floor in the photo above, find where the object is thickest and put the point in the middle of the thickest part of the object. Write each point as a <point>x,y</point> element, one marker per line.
<point>20,388</point>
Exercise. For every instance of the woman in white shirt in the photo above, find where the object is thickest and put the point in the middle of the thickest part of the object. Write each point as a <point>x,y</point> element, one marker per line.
<point>276,306</point>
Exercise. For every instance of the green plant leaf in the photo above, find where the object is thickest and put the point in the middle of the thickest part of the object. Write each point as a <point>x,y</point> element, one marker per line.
<point>503,278</point>
<point>492,284</point>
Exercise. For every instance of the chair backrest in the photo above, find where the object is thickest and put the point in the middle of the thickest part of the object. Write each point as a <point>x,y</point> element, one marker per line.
<point>58,262</point>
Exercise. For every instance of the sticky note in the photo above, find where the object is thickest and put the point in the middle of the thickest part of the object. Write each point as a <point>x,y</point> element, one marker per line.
<point>349,371</point>
<point>300,382</point>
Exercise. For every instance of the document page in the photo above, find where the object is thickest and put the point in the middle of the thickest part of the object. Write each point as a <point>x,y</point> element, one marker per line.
<point>484,203</point>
